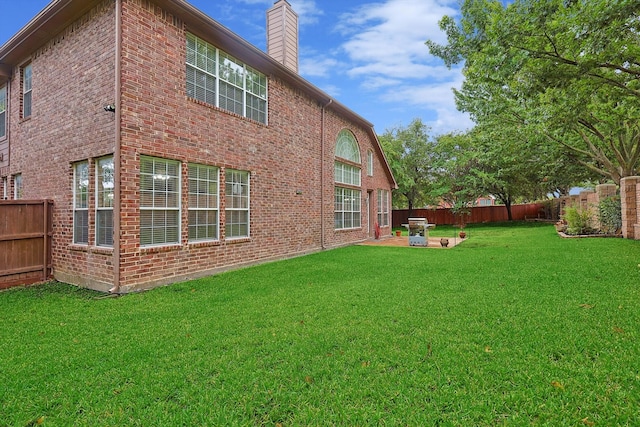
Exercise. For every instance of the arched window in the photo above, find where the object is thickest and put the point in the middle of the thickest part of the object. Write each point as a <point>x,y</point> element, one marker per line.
<point>347,147</point>
<point>347,173</point>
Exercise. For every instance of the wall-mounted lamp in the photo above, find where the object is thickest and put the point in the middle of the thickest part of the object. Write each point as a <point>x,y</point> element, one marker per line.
<point>298,192</point>
<point>111,108</point>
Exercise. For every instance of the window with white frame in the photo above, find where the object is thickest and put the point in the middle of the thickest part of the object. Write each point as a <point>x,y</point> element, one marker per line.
<point>383,208</point>
<point>347,175</point>
<point>3,111</point>
<point>347,208</point>
<point>5,194</point>
<point>18,190</point>
<point>214,77</point>
<point>81,203</point>
<point>370,163</point>
<point>204,208</point>
<point>159,201</point>
<point>237,204</point>
<point>26,90</point>
<point>105,185</point>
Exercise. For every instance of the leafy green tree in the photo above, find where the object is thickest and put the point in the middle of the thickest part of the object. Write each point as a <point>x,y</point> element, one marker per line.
<point>409,151</point>
<point>565,69</point>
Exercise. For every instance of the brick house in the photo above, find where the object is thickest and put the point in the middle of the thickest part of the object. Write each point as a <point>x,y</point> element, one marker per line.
<point>173,149</point>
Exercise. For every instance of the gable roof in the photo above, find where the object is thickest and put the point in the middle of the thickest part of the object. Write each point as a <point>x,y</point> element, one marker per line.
<point>59,14</point>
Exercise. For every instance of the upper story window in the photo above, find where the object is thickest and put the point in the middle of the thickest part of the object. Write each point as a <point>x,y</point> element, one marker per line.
<point>347,202</point>
<point>26,91</point>
<point>370,163</point>
<point>347,149</point>
<point>3,111</point>
<point>219,79</point>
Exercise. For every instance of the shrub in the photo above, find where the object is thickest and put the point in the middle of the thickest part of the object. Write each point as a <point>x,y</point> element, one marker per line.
<point>578,220</point>
<point>610,215</point>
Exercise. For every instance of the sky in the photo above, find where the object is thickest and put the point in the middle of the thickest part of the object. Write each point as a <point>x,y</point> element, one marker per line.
<point>367,54</point>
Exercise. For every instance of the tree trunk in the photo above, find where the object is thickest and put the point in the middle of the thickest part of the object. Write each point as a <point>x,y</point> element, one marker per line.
<point>507,204</point>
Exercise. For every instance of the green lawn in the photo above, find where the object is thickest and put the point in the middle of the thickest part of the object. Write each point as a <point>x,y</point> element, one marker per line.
<point>515,326</point>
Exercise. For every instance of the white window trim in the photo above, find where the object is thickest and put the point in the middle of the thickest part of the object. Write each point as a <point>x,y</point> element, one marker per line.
<point>98,208</point>
<point>75,203</point>
<point>26,91</point>
<point>216,209</point>
<point>4,93</point>
<point>247,209</point>
<point>245,90</point>
<point>383,208</point>
<point>163,209</point>
<point>344,211</point>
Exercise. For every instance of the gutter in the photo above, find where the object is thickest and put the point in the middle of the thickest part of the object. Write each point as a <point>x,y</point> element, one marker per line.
<point>117,160</point>
<point>322,154</point>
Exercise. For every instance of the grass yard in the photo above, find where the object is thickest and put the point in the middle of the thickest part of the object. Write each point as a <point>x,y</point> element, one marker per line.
<point>515,326</point>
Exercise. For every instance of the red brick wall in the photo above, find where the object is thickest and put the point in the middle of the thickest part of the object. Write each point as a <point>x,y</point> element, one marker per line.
<point>284,159</point>
<point>73,78</point>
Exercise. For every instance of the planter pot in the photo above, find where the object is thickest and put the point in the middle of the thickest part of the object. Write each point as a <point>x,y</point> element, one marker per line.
<point>463,234</point>
<point>398,233</point>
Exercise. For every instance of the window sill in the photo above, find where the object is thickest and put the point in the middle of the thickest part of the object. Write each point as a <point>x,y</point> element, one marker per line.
<point>160,249</point>
<point>204,243</point>
<point>347,230</point>
<point>100,250</point>
<point>233,240</point>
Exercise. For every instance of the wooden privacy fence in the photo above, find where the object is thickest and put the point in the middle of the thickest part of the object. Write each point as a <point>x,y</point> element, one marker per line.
<point>25,242</point>
<point>479,214</point>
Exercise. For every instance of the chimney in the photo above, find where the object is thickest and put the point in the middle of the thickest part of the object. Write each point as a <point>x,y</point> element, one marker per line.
<point>282,34</point>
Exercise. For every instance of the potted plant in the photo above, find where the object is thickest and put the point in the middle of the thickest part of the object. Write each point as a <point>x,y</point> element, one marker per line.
<point>459,210</point>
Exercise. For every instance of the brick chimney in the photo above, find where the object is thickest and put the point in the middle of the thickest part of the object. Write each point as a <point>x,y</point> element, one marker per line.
<point>282,34</point>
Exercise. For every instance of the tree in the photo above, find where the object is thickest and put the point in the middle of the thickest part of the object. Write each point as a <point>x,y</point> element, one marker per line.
<point>565,69</point>
<point>409,151</point>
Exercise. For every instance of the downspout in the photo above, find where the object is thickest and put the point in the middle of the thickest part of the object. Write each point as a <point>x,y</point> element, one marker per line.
<point>322,154</point>
<point>117,161</point>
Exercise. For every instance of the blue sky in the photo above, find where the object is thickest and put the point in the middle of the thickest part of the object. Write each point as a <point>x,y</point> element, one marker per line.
<point>367,54</point>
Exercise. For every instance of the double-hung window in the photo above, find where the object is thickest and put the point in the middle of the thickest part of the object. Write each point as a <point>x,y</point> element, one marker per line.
<point>383,208</point>
<point>203,202</point>
<point>17,187</point>
<point>81,203</point>
<point>105,185</point>
<point>26,91</point>
<point>3,111</point>
<point>347,176</point>
<point>237,204</point>
<point>159,201</point>
<point>217,78</point>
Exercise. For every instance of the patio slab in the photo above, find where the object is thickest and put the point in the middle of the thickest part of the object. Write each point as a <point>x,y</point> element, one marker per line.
<point>403,241</point>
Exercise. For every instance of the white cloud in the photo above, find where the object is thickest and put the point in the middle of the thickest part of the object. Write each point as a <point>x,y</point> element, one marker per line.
<point>308,12</point>
<point>317,66</point>
<point>386,51</point>
<point>393,32</point>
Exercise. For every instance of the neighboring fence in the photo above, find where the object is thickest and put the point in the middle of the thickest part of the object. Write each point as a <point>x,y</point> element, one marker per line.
<point>25,242</point>
<point>479,214</point>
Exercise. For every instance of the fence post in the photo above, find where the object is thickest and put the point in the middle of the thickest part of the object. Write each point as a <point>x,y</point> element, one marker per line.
<point>629,201</point>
